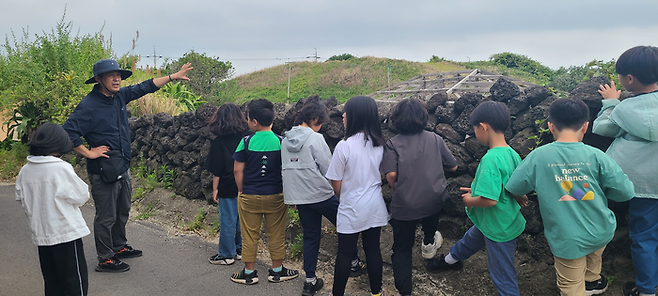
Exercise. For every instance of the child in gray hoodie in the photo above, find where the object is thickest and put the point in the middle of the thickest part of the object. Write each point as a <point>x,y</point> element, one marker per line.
<point>305,159</point>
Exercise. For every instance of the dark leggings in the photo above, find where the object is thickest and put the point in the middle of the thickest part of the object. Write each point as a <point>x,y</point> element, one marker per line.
<point>347,245</point>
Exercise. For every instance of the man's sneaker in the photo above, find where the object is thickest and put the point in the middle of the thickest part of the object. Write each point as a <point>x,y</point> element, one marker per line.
<point>283,275</point>
<point>428,251</point>
<point>112,265</point>
<point>629,289</point>
<point>238,254</point>
<point>596,287</point>
<point>310,289</point>
<point>220,260</point>
<point>128,252</point>
<point>439,264</point>
<point>241,277</point>
<point>358,269</point>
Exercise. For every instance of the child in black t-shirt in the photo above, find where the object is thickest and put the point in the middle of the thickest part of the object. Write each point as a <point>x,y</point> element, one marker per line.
<point>229,125</point>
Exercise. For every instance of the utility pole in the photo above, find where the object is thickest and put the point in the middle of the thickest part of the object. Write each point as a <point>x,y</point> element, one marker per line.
<point>155,66</point>
<point>289,69</point>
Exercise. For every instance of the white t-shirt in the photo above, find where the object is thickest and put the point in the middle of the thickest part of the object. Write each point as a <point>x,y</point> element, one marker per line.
<point>356,164</point>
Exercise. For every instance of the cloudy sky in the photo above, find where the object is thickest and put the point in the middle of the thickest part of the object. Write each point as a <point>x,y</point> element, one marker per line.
<point>258,34</point>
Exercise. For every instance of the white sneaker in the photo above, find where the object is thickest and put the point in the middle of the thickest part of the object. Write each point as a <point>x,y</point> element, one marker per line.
<point>429,251</point>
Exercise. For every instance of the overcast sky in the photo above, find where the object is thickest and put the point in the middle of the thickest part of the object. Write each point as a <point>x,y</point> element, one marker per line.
<point>258,34</point>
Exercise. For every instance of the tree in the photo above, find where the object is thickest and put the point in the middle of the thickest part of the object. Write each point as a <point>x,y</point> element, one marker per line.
<point>207,74</point>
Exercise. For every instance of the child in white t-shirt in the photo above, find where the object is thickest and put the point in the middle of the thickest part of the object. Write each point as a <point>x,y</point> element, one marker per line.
<point>51,194</point>
<point>355,177</point>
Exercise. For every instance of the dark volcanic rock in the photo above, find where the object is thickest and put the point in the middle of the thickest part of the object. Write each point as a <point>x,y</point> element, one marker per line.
<point>454,205</point>
<point>475,148</point>
<point>503,90</point>
<point>521,142</point>
<point>537,94</point>
<point>462,124</point>
<point>462,156</point>
<point>588,92</point>
<point>445,114</point>
<point>517,104</point>
<point>205,112</point>
<point>448,133</point>
<point>532,217</point>
<point>436,100</point>
<point>468,99</point>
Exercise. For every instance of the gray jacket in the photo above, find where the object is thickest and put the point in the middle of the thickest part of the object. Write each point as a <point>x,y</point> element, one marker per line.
<point>305,159</point>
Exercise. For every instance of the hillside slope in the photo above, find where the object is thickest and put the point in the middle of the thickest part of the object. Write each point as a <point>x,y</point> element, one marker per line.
<point>342,79</point>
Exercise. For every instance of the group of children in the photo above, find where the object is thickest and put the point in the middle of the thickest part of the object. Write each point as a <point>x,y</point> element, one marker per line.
<point>257,174</point>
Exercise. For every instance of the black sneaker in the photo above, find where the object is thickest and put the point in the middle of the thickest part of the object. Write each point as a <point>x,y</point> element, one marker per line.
<point>112,265</point>
<point>128,252</point>
<point>310,289</point>
<point>629,289</point>
<point>220,260</point>
<point>241,277</point>
<point>283,275</point>
<point>596,287</point>
<point>358,269</point>
<point>439,264</point>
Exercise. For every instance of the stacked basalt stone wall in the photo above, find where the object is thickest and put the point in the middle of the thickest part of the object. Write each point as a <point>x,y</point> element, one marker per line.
<point>182,142</point>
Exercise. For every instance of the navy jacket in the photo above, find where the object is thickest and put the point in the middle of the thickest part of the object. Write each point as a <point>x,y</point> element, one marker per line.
<point>95,119</point>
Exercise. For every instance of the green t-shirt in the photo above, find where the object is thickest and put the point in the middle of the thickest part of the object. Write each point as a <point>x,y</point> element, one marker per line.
<point>572,181</point>
<point>502,222</point>
<point>262,168</point>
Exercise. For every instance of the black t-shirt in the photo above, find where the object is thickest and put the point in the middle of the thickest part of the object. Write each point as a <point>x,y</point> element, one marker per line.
<point>220,163</point>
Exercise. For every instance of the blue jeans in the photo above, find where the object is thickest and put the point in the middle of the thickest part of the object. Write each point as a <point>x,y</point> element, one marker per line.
<point>500,257</point>
<point>230,237</point>
<point>310,216</point>
<point>643,214</point>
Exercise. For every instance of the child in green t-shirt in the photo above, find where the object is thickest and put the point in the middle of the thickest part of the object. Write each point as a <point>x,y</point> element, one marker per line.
<point>573,182</point>
<point>495,213</point>
<point>257,171</point>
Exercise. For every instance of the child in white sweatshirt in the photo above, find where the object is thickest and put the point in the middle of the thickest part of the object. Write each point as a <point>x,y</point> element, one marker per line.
<point>51,194</point>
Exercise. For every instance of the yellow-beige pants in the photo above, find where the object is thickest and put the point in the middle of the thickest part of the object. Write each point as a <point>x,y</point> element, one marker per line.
<point>572,273</point>
<point>252,209</point>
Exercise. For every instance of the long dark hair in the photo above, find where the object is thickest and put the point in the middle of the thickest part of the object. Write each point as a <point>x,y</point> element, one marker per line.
<point>362,115</point>
<point>228,120</point>
<point>312,109</point>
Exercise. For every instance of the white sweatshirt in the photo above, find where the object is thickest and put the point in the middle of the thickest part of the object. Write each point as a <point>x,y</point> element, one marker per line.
<point>51,194</point>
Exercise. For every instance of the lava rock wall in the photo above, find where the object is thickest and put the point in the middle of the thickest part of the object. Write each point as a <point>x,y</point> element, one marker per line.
<point>182,142</point>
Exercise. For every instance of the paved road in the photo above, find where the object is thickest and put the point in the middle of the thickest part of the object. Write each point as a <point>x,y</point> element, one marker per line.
<point>171,265</point>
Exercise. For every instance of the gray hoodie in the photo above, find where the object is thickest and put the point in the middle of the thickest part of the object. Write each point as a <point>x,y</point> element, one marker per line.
<point>305,159</point>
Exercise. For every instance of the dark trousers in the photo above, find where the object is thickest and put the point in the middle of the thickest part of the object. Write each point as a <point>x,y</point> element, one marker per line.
<point>404,237</point>
<point>112,202</point>
<point>64,268</point>
<point>310,216</point>
<point>347,245</point>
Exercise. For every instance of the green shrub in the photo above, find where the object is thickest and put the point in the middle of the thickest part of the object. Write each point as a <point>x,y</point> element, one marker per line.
<point>47,73</point>
<point>341,57</point>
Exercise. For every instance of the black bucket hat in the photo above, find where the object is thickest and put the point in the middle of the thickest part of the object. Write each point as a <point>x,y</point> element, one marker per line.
<point>104,66</point>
